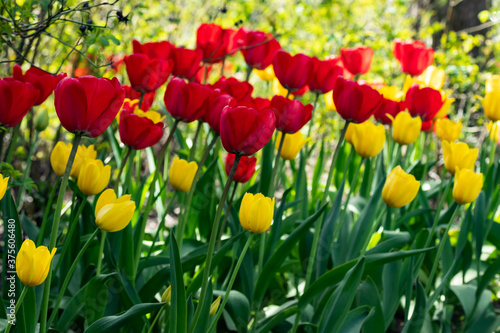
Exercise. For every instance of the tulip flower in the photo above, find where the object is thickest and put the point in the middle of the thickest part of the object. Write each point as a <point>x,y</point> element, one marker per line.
<point>87,105</point>
<point>216,102</point>
<point>337,60</point>
<point>43,81</point>
<point>494,130</point>
<point>325,75</point>
<point>355,102</point>
<point>93,177</point>
<point>293,72</point>
<point>181,174</point>
<point>448,130</point>
<point>166,296</point>
<point>214,307</point>
<point>186,62</point>
<point>405,128</point>
<point>261,103</point>
<point>291,115</point>
<point>113,214</point>
<point>367,138</point>
<point>390,92</point>
<point>400,188</point>
<point>215,42</point>
<point>60,155</point>
<point>357,60</point>
<point>154,50</point>
<point>433,77</point>
<point>4,183</point>
<point>423,102</point>
<point>292,145</point>
<point>245,169</point>
<point>244,130</point>
<point>16,99</point>
<point>240,90</point>
<point>147,74</point>
<point>491,105</point>
<point>467,186</point>
<point>138,131</point>
<point>267,74</point>
<point>493,83</point>
<point>458,155</point>
<point>443,112</point>
<point>413,57</point>
<point>132,94</point>
<point>185,101</point>
<point>256,212</point>
<point>259,48</point>
<point>33,263</point>
<point>388,109</point>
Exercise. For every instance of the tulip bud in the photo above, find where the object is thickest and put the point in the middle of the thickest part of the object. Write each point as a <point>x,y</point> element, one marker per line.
<point>400,188</point>
<point>467,187</point>
<point>405,128</point>
<point>448,130</point>
<point>165,298</point>
<point>41,120</point>
<point>256,212</point>
<point>458,155</point>
<point>94,177</point>
<point>33,263</point>
<point>491,105</point>
<point>4,183</point>
<point>113,214</point>
<point>60,155</point>
<point>367,138</point>
<point>181,174</point>
<point>292,145</point>
<point>214,307</point>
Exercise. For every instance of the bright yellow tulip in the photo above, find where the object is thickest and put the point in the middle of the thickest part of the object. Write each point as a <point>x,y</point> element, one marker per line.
<point>60,155</point>
<point>214,307</point>
<point>467,187</point>
<point>367,138</point>
<point>391,92</point>
<point>113,214</point>
<point>494,130</point>
<point>94,177</point>
<point>33,263</point>
<point>256,212</point>
<point>491,105</point>
<point>448,130</point>
<point>181,174</point>
<point>433,77</point>
<point>4,183</point>
<point>292,145</point>
<point>493,83</point>
<point>458,155</point>
<point>445,108</point>
<point>266,74</point>
<point>400,188</point>
<point>405,128</point>
<point>329,101</point>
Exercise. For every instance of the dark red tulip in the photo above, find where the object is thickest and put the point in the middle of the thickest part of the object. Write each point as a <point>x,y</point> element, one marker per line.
<point>43,81</point>
<point>185,101</point>
<point>145,74</point>
<point>325,75</point>
<point>216,42</point>
<point>186,62</point>
<point>426,126</point>
<point>413,57</point>
<point>139,132</point>
<point>241,90</point>
<point>291,115</point>
<point>259,48</point>
<point>16,99</point>
<point>337,60</point>
<point>355,102</point>
<point>261,103</point>
<point>87,105</point>
<point>216,102</point>
<point>245,130</point>
<point>357,60</point>
<point>423,102</point>
<point>245,169</point>
<point>129,105</point>
<point>388,107</point>
<point>133,94</point>
<point>293,72</point>
<point>154,50</point>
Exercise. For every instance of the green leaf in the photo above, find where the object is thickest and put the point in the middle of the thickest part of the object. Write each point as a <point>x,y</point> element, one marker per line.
<point>285,311</point>
<point>104,41</point>
<point>115,40</point>
<point>178,310</point>
<point>416,322</point>
<point>356,318</point>
<point>369,295</point>
<point>96,298</point>
<point>238,308</point>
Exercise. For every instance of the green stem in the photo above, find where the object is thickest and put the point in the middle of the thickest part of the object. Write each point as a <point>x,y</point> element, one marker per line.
<point>311,122</point>
<point>192,151</point>
<point>249,72</point>
<point>12,143</point>
<point>27,171</point>
<point>124,161</point>
<point>141,99</point>
<point>39,239</point>
<point>156,318</point>
<point>101,251</point>
<point>18,304</point>
<point>275,166</point>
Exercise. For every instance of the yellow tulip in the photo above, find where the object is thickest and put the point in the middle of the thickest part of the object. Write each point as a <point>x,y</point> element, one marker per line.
<point>113,214</point>
<point>33,263</point>
<point>94,177</point>
<point>256,212</point>
<point>491,105</point>
<point>4,183</point>
<point>433,77</point>
<point>278,89</point>
<point>60,155</point>
<point>266,74</point>
<point>458,155</point>
<point>214,307</point>
<point>391,92</point>
<point>448,130</point>
<point>181,174</point>
<point>154,116</point>
<point>329,101</point>
<point>445,108</point>
<point>493,83</point>
<point>292,145</point>
<point>400,188</point>
<point>494,130</point>
<point>467,187</point>
<point>167,294</point>
<point>405,128</point>
<point>367,138</point>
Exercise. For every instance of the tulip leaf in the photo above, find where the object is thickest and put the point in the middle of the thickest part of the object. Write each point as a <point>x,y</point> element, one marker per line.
<point>238,309</point>
<point>479,224</point>
<point>356,318</point>
<point>96,298</point>
<point>178,310</point>
<point>204,321</point>
<point>416,322</point>
<point>318,171</point>
<point>266,166</point>
<point>275,232</point>
<point>285,311</point>
<point>368,295</point>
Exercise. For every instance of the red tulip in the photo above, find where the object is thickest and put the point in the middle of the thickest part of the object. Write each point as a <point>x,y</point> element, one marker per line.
<point>234,40</point>
<point>423,102</point>
<point>145,74</point>
<point>325,75</point>
<point>388,106</point>
<point>154,50</point>
<point>87,105</point>
<point>245,169</point>
<point>355,102</point>
<point>357,60</point>
<point>215,42</point>
<point>259,48</point>
<point>413,57</point>
<point>426,125</point>
<point>261,103</point>
<point>185,101</point>
<point>240,90</point>
<point>293,72</point>
<point>43,81</point>
<point>139,132</point>
<point>337,60</point>
<point>186,62</point>
<point>244,130</point>
<point>291,115</point>
<point>216,102</point>
<point>16,99</point>
<point>133,94</point>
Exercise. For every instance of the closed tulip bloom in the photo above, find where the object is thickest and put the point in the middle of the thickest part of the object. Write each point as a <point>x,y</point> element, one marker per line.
<point>325,75</point>
<point>33,263</point>
<point>400,188</point>
<point>60,155</point>
<point>16,99</point>
<point>493,83</point>
<point>467,186</point>
<point>293,72</point>
<point>94,177</point>
<point>214,307</point>
<point>146,74</point>
<point>413,57</point>
<point>357,60</point>
<point>185,101</point>
<point>215,42</point>
<point>245,169</point>
<point>405,128</point>
<point>423,102</point>
<point>43,81</point>
<point>433,77</point>
<point>181,174</point>
<point>138,131</point>
<point>259,48</point>
<point>113,214</point>
<point>292,145</point>
<point>133,94</point>
<point>87,105</point>
<point>291,115</point>
<point>355,102</point>
<point>4,183</point>
<point>216,102</point>
<point>367,138</point>
<point>458,155</point>
<point>186,62</point>
<point>240,90</point>
<point>491,105</point>
<point>448,130</point>
<point>256,212</point>
<point>267,74</point>
<point>154,50</point>
<point>443,112</point>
